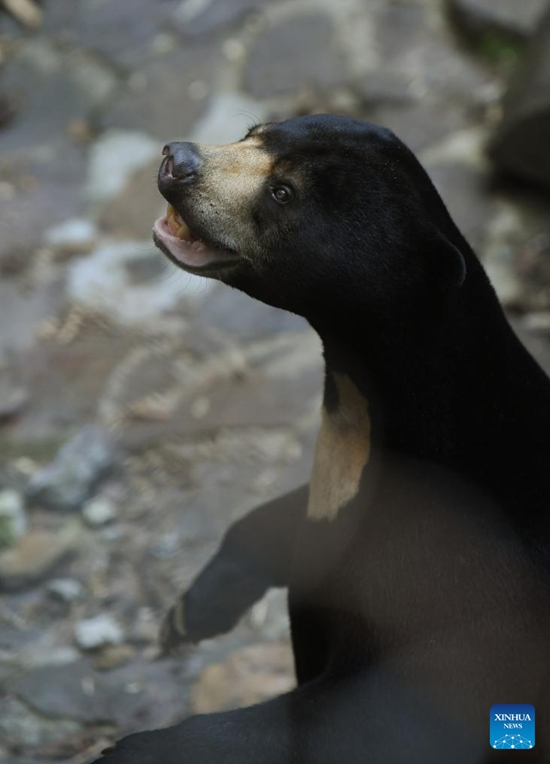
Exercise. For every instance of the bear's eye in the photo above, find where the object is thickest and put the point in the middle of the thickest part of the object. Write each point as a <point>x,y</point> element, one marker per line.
<point>281,194</point>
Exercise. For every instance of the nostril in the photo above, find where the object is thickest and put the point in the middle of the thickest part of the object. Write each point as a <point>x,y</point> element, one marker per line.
<point>182,160</point>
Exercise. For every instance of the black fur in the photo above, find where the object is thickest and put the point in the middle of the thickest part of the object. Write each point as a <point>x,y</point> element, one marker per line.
<point>427,600</point>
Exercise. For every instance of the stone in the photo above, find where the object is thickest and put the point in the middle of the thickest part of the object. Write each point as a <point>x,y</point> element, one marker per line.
<point>13,519</point>
<point>22,728</point>
<point>250,675</point>
<point>193,18</point>
<point>413,49</point>
<point>272,387</point>
<point>124,219</point>
<point>464,190</point>
<point>269,616</point>
<point>422,123</point>
<point>96,632</point>
<point>129,282</point>
<point>228,118</point>
<point>99,511</point>
<point>504,236</point>
<point>478,18</point>
<point>32,558</point>
<point>75,236</point>
<point>140,695</point>
<point>79,465</point>
<point>163,105</point>
<point>125,150</point>
<point>124,34</point>
<point>67,692</point>
<point>146,627</point>
<point>114,656</point>
<point>294,54</point>
<point>537,345</point>
<point>385,87</point>
<point>60,18</point>
<point>520,146</point>
<point>234,313</point>
<point>49,199</point>
<point>53,90</point>
<point>13,398</point>
<point>38,656</point>
<point>66,589</point>
<point>36,153</point>
<point>259,400</point>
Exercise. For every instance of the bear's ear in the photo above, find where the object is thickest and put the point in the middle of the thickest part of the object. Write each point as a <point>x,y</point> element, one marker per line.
<point>446,262</point>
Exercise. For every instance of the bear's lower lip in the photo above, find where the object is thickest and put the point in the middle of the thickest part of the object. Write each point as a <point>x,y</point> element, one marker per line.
<point>188,251</point>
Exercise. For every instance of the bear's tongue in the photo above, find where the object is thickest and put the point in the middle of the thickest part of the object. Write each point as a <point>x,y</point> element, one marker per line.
<point>177,226</point>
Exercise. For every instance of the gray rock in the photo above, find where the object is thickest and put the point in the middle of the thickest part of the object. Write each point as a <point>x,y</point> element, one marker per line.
<point>193,18</point>
<point>465,192</point>
<point>228,118</point>
<point>42,163</point>
<point>121,220</point>
<point>235,313</point>
<point>66,589</point>
<point>47,200</point>
<point>64,692</point>
<point>159,98</point>
<point>79,465</point>
<point>128,151</point>
<point>281,378</point>
<point>258,400</point>
<point>521,145</point>
<point>250,675</point>
<point>477,18</point>
<point>128,282</point>
<point>139,695</point>
<point>38,656</point>
<point>413,49</point>
<point>21,728</point>
<point>301,52</point>
<point>61,18</point>
<point>101,630</point>
<point>32,558</point>
<point>13,519</point>
<point>123,33</point>
<point>72,236</point>
<point>13,398</point>
<point>422,123</point>
<point>52,91</point>
<point>99,511</point>
<point>506,233</point>
<point>385,87</point>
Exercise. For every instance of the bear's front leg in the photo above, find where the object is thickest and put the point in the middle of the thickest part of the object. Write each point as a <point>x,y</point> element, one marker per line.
<point>255,555</point>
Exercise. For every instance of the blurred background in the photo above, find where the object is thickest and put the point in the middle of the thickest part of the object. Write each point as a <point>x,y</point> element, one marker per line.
<point>142,410</point>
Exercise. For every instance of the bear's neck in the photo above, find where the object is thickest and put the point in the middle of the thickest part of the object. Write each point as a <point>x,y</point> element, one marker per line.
<point>425,383</point>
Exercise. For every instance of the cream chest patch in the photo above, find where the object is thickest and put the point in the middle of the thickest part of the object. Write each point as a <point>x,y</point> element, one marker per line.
<point>341,452</point>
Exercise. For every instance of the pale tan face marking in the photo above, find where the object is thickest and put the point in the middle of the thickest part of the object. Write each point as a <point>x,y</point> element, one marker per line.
<point>341,453</point>
<point>233,179</point>
<point>237,170</point>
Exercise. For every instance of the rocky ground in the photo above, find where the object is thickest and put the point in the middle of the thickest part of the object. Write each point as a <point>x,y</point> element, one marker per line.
<point>141,409</point>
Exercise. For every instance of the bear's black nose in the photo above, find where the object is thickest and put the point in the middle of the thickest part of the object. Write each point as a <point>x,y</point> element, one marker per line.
<point>182,160</point>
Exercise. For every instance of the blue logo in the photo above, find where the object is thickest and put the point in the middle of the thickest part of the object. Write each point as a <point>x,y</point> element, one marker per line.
<point>512,726</point>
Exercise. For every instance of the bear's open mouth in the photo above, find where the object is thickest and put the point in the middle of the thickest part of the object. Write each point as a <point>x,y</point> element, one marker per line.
<point>172,234</point>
